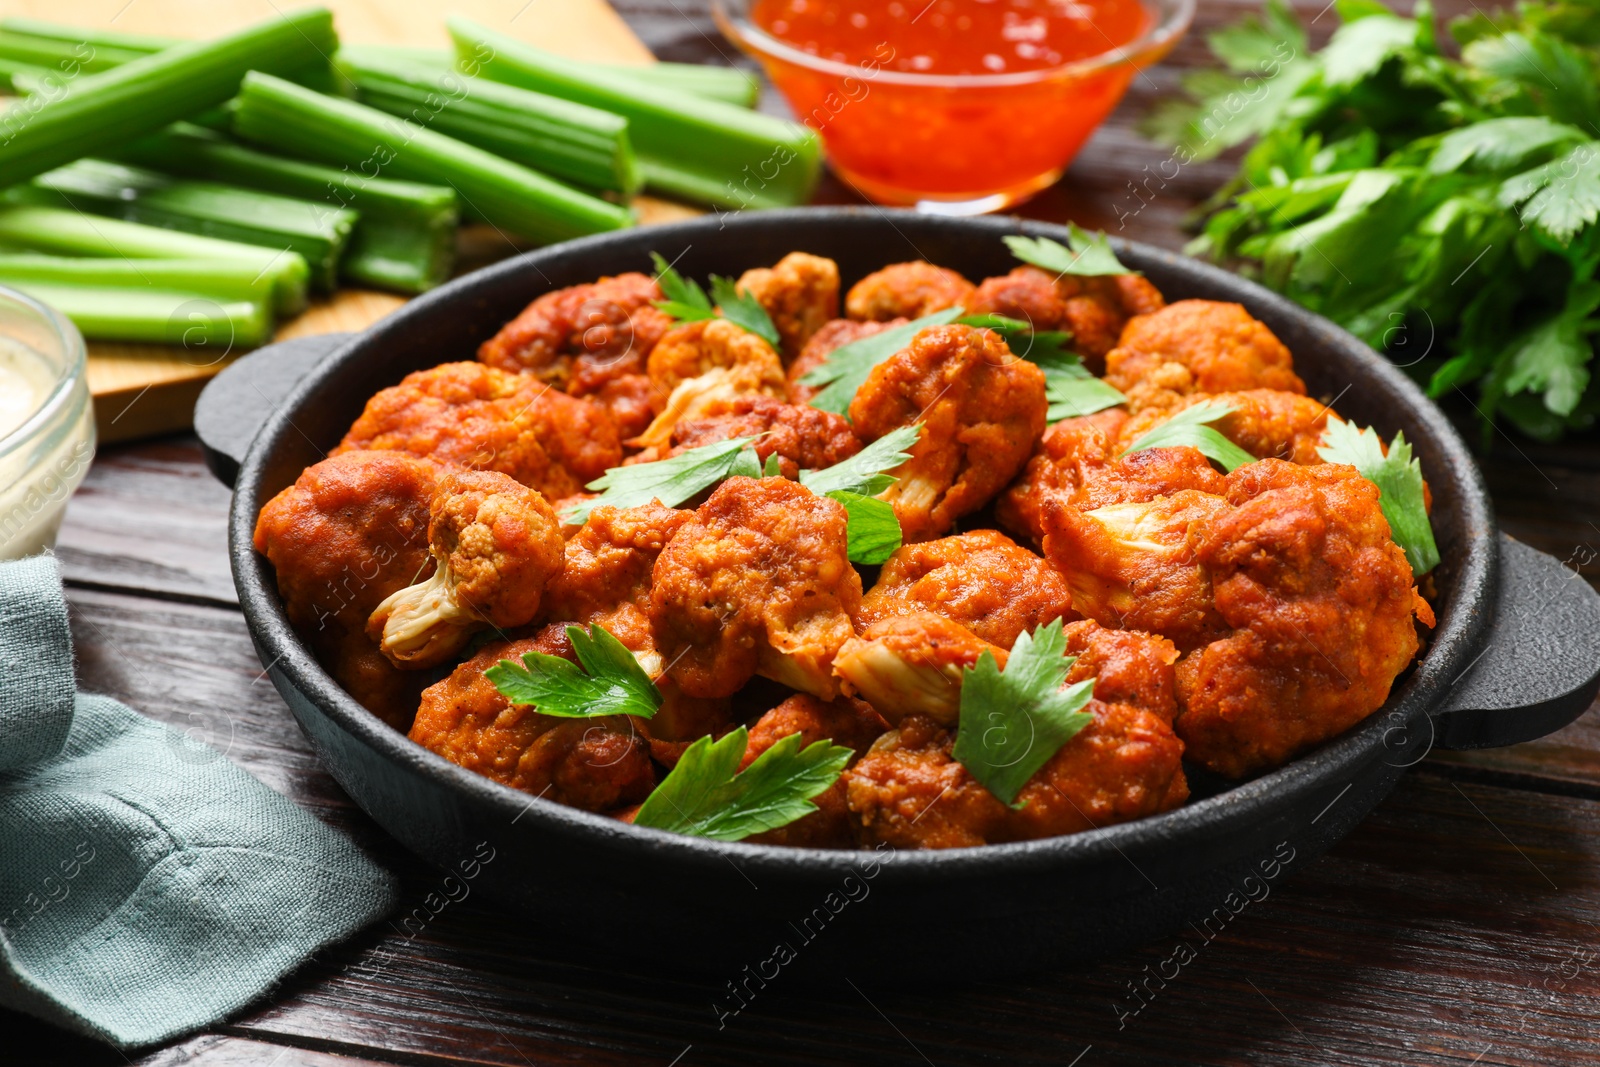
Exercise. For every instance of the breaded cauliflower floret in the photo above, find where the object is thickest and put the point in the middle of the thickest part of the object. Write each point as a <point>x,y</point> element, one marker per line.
<point>471,416</point>
<point>850,723</point>
<point>495,545</point>
<point>759,582</point>
<point>1197,346</point>
<point>802,438</point>
<point>606,576</point>
<point>702,365</point>
<point>1267,423</point>
<point>579,338</point>
<point>1079,462</point>
<point>983,580</point>
<point>1125,764</point>
<point>906,291</point>
<point>833,335</point>
<point>627,400</point>
<point>800,293</point>
<point>349,532</point>
<point>911,664</point>
<point>593,764</point>
<point>1321,604</point>
<point>1135,565</point>
<point>1093,309</point>
<point>982,410</point>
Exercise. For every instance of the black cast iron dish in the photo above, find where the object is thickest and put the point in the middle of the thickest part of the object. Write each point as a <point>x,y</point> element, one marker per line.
<point>1515,656</point>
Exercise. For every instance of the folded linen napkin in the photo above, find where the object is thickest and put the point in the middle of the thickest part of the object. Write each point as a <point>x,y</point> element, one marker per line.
<point>148,887</point>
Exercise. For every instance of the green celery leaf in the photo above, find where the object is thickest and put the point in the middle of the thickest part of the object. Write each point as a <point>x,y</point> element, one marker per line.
<point>1014,720</point>
<point>1090,255</point>
<point>706,794</point>
<point>773,467</point>
<point>608,682</point>
<point>680,291</point>
<point>1560,197</point>
<point>872,527</point>
<point>1399,481</point>
<point>1071,397</point>
<point>847,367</point>
<point>742,309</point>
<point>1552,357</point>
<point>1359,49</point>
<point>671,481</point>
<point>1188,427</point>
<point>864,472</point>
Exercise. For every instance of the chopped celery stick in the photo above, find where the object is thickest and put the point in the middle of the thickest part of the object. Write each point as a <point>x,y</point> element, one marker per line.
<point>157,316</point>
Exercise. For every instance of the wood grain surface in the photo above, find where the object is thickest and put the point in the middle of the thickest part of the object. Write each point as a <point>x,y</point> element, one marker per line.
<point>1456,926</point>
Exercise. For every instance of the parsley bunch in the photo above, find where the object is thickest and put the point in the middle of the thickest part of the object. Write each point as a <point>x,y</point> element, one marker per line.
<point>1443,209</point>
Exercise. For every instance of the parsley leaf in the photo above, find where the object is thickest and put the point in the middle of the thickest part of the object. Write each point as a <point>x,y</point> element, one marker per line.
<point>1188,427</point>
<point>872,527</point>
<point>1561,197</point>
<point>1496,144</point>
<point>1090,255</point>
<point>773,467</point>
<point>671,481</point>
<point>1399,481</point>
<point>609,682</point>
<point>687,302</point>
<point>847,367</point>
<point>706,794</point>
<point>863,472</point>
<point>1014,720</point>
<point>742,309</point>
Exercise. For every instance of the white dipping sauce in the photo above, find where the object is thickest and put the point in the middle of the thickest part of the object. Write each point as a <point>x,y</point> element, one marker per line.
<point>24,383</point>
<point>39,468</point>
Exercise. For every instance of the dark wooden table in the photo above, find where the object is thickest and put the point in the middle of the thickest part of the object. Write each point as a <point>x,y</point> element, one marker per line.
<point>1458,925</point>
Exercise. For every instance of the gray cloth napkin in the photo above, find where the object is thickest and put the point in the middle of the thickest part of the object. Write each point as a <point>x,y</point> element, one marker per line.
<point>148,887</point>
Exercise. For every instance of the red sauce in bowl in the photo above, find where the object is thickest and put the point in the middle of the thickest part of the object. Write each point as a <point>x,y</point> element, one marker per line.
<point>977,103</point>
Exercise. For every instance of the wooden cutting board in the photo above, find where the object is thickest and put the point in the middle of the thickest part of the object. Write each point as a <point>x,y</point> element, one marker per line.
<point>143,390</point>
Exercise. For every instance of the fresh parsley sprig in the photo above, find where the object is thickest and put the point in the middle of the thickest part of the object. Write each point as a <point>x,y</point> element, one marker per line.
<point>706,794</point>
<point>1013,720</point>
<point>863,472</point>
<point>672,480</point>
<point>687,302</point>
<point>1188,427</point>
<point>847,367</point>
<point>872,527</point>
<point>1086,254</point>
<point>606,680</point>
<point>1399,480</point>
<point>1069,387</point>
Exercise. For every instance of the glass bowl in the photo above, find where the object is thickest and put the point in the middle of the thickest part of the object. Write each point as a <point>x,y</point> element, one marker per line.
<point>960,144</point>
<point>46,422</point>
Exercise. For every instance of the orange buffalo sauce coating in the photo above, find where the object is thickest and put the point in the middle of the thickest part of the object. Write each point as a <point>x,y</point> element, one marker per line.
<point>902,142</point>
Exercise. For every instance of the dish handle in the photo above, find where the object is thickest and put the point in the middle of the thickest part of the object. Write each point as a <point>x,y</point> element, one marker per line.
<point>1539,668</point>
<point>236,403</point>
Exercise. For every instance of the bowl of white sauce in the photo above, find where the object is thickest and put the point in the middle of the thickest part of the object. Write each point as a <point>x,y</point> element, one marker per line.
<point>46,422</point>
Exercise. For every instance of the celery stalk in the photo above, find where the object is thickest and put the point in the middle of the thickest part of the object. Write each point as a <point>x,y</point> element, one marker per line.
<point>219,279</point>
<point>97,112</point>
<point>76,57</point>
<point>158,316</point>
<point>295,120</point>
<point>73,233</point>
<point>570,141</point>
<point>404,239</point>
<point>315,230</point>
<point>139,43</point>
<point>740,158</point>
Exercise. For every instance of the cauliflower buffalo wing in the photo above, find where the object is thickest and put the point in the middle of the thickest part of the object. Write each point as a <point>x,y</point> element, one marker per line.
<point>1267,423</point>
<point>1321,605</point>
<point>911,664</point>
<point>851,723</point>
<point>1126,764</point>
<point>802,438</point>
<point>594,764</point>
<point>833,335</point>
<point>982,410</point>
<point>906,291</point>
<point>1197,346</point>
<point>579,338</point>
<point>800,293</point>
<point>759,581</point>
<point>351,531</point>
<point>495,544</point>
<point>1093,309</point>
<point>983,580</point>
<point>702,365</point>
<point>472,416</point>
